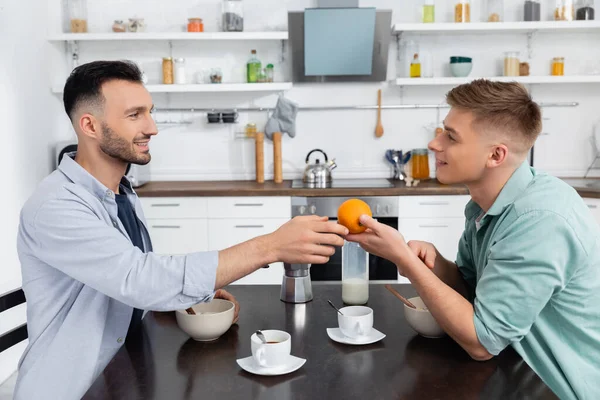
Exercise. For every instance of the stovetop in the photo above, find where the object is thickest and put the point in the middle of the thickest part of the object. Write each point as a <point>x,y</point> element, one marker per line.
<point>348,183</point>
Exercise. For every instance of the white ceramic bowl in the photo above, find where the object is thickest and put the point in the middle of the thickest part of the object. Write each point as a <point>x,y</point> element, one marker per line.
<point>421,320</point>
<point>461,70</point>
<point>210,322</point>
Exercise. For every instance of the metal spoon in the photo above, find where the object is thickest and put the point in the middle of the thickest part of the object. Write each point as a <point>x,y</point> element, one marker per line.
<point>329,301</point>
<point>261,337</point>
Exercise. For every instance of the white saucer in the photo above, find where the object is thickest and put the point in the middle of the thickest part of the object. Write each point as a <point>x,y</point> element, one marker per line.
<point>248,364</point>
<point>336,335</point>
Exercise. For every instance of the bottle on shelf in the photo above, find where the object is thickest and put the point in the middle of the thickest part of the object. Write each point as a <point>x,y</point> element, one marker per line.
<point>415,67</point>
<point>428,11</point>
<point>253,68</point>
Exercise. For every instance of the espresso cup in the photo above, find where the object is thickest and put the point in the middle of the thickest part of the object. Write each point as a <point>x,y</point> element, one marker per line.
<point>356,321</point>
<point>275,353</point>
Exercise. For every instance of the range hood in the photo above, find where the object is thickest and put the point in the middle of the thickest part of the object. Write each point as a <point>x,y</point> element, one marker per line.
<point>339,42</point>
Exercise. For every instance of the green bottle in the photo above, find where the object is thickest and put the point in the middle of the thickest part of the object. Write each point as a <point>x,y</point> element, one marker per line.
<point>253,68</point>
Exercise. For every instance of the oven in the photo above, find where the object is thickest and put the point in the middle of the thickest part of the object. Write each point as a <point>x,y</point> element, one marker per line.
<point>385,210</point>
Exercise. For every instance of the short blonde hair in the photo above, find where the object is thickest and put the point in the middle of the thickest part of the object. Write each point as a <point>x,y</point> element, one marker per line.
<point>506,107</point>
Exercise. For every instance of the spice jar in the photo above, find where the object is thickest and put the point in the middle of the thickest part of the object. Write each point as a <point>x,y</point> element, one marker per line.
<point>524,69</point>
<point>233,16</point>
<point>78,16</point>
<point>511,63</point>
<point>420,164</point>
<point>167,68</point>
<point>462,11</point>
<point>180,71</point>
<point>428,11</point>
<point>195,25</point>
<point>119,26</point>
<point>564,11</point>
<point>585,10</point>
<point>216,76</point>
<point>251,129</point>
<point>269,73</point>
<point>136,25</point>
<point>558,66</point>
<point>493,11</point>
<point>532,10</point>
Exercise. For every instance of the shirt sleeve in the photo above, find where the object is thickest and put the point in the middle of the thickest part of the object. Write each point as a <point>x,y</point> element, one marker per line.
<point>67,235</point>
<point>527,264</point>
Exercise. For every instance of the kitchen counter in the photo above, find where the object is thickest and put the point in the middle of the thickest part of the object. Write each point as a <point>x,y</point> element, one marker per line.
<point>162,362</point>
<point>269,188</point>
<point>585,188</point>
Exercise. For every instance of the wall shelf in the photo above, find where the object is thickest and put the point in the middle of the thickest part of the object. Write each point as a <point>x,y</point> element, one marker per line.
<point>168,36</point>
<point>497,27</point>
<point>521,79</point>
<point>212,88</point>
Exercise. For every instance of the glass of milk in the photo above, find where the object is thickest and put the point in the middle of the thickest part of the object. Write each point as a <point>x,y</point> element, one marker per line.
<point>355,274</point>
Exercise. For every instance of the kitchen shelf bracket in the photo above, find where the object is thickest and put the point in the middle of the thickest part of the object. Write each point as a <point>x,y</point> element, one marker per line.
<point>74,50</point>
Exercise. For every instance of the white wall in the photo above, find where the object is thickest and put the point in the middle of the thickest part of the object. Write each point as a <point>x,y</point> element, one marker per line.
<point>27,124</point>
<point>203,151</point>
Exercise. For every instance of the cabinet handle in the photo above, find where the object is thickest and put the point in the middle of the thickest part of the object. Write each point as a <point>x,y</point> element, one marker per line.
<point>434,203</point>
<point>166,226</point>
<point>165,205</point>
<point>592,206</point>
<point>433,226</point>
<point>249,226</point>
<point>248,204</point>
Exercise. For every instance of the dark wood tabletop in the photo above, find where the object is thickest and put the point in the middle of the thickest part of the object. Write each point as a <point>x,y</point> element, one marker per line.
<point>164,363</point>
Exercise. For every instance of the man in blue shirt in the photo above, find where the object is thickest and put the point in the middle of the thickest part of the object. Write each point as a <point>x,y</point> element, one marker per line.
<point>527,272</point>
<point>86,257</point>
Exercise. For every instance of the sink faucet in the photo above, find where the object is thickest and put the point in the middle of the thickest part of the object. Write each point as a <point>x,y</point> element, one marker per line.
<point>296,286</point>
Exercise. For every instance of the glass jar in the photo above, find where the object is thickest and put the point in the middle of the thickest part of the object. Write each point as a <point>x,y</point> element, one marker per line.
<point>558,66</point>
<point>524,69</point>
<point>462,11</point>
<point>585,10</point>
<point>355,274</point>
<point>195,25</point>
<point>269,73</point>
<point>233,16</point>
<point>511,63</point>
<point>420,164</point>
<point>428,11</point>
<point>119,26</point>
<point>564,11</point>
<point>216,76</point>
<point>180,71</point>
<point>493,11</point>
<point>251,129</point>
<point>167,70</point>
<point>136,25</point>
<point>532,10</point>
<point>78,16</point>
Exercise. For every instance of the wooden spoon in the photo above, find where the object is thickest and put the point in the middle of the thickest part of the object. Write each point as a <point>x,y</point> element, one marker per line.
<point>190,311</point>
<point>379,127</point>
<point>398,295</point>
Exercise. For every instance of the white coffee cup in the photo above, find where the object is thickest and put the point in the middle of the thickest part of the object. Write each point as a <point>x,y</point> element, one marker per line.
<point>273,354</point>
<point>356,322</point>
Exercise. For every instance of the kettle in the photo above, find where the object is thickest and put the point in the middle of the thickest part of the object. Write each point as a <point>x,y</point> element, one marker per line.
<point>318,174</point>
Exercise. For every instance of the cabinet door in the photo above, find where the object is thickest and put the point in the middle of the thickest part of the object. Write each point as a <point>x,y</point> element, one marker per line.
<point>444,233</point>
<point>178,236</point>
<point>228,232</point>
<point>594,206</point>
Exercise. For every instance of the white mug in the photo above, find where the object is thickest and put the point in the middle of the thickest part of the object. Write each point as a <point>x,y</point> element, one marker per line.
<point>356,322</point>
<point>271,354</point>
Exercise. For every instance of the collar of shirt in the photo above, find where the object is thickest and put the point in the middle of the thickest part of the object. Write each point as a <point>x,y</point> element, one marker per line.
<point>517,183</point>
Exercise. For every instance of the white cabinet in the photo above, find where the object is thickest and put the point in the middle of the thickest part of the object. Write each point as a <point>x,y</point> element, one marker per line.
<point>436,219</point>
<point>594,206</point>
<point>178,235</point>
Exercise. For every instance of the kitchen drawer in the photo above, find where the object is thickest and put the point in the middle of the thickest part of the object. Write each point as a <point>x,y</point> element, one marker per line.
<point>174,207</point>
<point>178,236</point>
<point>444,233</point>
<point>249,207</point>
<point>432,206</point>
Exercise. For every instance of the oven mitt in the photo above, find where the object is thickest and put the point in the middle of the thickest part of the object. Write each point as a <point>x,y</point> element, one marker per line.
<point>283,119</point>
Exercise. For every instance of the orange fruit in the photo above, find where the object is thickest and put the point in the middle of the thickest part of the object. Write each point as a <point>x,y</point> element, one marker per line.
<point>349,213</point>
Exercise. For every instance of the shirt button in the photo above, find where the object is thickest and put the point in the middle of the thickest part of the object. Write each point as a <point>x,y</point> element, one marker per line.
<point>115,224</point>
<point>109,193</point>
<point>120,340</point>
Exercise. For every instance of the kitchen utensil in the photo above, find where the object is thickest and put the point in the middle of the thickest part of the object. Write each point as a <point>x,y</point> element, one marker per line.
<point>398,295</point>
<point>337,309</point>
<point>296,286</point>
<point>259,140</point>
<point>421,320</point>
<point>190,311</point>
<point>379,127</point>
<point>211,320</point>
<point>261,337</point>
<point>317,174</point>
<point>277,163</point>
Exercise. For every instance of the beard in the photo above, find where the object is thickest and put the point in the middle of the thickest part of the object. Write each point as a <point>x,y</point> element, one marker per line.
<point>118,148</point>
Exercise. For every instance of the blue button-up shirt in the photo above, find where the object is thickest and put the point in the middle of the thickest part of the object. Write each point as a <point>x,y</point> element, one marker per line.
<point>82,277</point>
